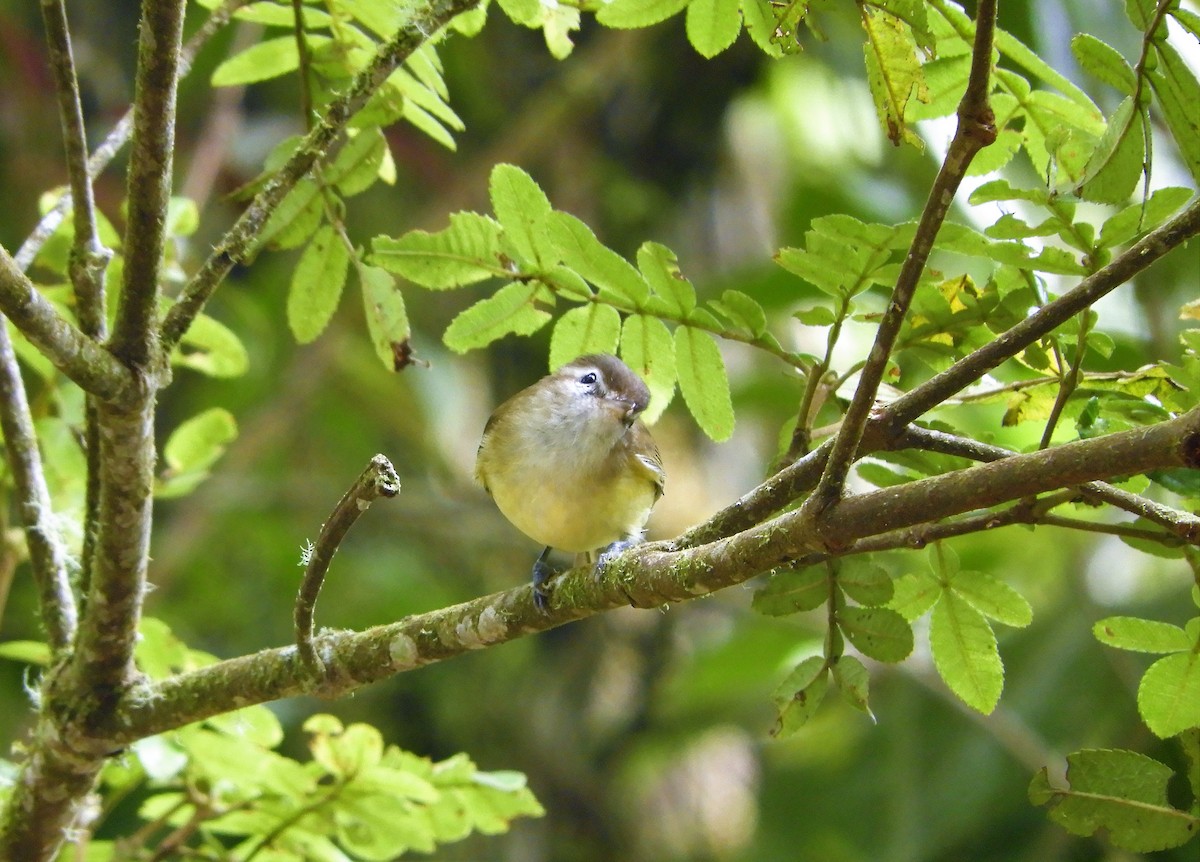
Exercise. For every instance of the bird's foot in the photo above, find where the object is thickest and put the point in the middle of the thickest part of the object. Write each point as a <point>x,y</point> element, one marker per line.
<point>542,573</point>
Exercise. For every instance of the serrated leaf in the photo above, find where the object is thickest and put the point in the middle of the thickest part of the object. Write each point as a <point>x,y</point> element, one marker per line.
<point>193,447</point>
<point>759,20</point>
<point>1178,92</point>
<point>629,14</point>
<point>865,582</point>
<point>522,207</point>
<point>317,284</point>
<point>1138,635</point>
<point>276,15</point>
<point>591,328</point>
<point>712,25</point>
<point>852,679</point>
<point>1142,217</point>
<point>466,252</point>
<point>212,348</point>
<point>387,317</point>
<point>648,348</point>
<point>914,594</point>
<point>660,268</point>
<point>263,60</point>
<point>356,167</point>
<point>1104,63</point>
<point>703,382</point>
<point>793,590</point>
<point>964,652</point>
<point>1122,792</point>
<point>993,598</point>
<point>798,696</point>
<point>298,215</point>
<point>742,311</point>
<point>893,72</point>
<point>1117,162</point>
<point>509,310</point>
<point>878,633</point>
<point>579,249</point>
<point>1169,694</point>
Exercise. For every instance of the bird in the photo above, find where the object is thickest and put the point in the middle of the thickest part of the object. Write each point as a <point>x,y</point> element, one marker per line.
<point>569,462</point>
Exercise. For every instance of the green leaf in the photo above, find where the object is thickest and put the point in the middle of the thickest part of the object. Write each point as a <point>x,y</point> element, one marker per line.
<point>893,72</point>
<point>591,328</point>
<point>914,594</point>
<point>1178,92</point>
<point>1138,635</point>
<point>269,58</point>
<point>1169,694</point>
<point>798,696</point>
<point>275,15</point>
<point>865,582</point>
<point>964,652</point>
<point>648,348</point>
<point>509,310</point>
<point>878,633</point>
<point>703,382</point>
<point>387,318</point>
<point>712,25</point>
<point>629,14</point>
<point>1117,162</point>
<point>317,284</point>
<point>1122,792</point>
<point>356,167</point>
<point>792,590</point>
<point>1143,217</point>
<point>193,447</point>
<point>759,19</point>
<point>522,208</point>
<point>28,652</point>
<point>580,250</point>
<point>742,311</point>
<point>1104,63</point>
<point>660,268</point>
<point>212,348</point>
<point>852,679</point>
<point>466,252</point>
<point>993,598</point>
<point>298,215</point>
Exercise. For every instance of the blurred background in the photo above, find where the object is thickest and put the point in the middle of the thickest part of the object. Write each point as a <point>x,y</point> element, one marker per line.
<point>646,734</point>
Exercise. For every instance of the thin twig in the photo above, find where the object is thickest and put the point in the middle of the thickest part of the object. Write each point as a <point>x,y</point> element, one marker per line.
<point>379,479</point>
<point>1068,382</point>
<point>976,130</point>
<point>240,239</point>
<point>47,554</point>
<point>119,136</point>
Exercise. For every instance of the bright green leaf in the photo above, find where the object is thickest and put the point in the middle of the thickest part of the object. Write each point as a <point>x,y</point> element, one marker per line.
<point>914,594</point>
<point>269,58</point>
<point>742,311</point>
<point>878,633</point>
<point>198,442</point>
<point>509,310</point>
<point>466,252</point>
<point>1104,63</point>
<point>993,598</point>
<point>1169,694</point>
<point>851,677</point>
<point>703,382</point>
<point>1122,792</point>
<point>1142,217</point>
<point>317,284</point>
<point>387,318</point>
<point>581,251</point>
<point>1114,168</point>
<point>1178,92</point>
<point>865,582</point>
<point>660,268</point>
<point>356,167</point>
<point>893,72</point>
<point>637,13</point>
<point>1132,633</point>
<point>712,25</point>
<point>591,328</point>
<point>28,652</point>
<point>964,652</point>
<point>521,207</point>
<point>648,348</point>
<point>211,348</point>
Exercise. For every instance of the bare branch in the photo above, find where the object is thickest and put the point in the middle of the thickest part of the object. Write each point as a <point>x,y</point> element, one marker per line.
<point>135,331</point>
<point>93,368</point>
<point>976,130</point>
<point>240,239</point>
<point>47,555</point>
<point>378,480</point>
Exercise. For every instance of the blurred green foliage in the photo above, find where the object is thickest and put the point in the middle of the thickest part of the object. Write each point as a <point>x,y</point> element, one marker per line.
<point>646,735</point>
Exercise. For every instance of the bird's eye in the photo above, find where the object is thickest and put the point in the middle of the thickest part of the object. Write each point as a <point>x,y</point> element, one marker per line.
<point>588,379</point>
